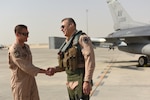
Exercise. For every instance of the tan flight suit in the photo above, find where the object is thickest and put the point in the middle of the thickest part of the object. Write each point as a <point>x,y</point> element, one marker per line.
<point>84,72</point>
<point>23,83</point>
<point>89,57</point>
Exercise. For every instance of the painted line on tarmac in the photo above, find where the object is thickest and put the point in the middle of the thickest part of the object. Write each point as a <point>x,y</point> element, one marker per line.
<point>102,76</point>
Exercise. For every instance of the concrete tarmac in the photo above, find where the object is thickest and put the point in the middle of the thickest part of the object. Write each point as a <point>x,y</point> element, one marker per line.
<point>122,81</point>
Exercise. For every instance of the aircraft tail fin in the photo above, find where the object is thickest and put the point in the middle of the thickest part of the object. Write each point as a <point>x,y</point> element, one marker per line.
<point>120,17</point>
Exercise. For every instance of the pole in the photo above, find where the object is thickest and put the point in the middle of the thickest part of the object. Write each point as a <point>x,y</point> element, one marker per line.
<point>87,20</point>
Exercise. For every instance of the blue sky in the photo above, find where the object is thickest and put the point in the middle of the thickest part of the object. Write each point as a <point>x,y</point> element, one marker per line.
<point>43,17</point>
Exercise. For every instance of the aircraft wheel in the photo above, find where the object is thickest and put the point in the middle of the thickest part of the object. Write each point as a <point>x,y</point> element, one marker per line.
<point>142,61</point>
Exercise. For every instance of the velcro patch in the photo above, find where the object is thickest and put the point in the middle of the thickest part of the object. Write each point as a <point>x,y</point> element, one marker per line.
<point>17,54</point>
<point>86,40</point>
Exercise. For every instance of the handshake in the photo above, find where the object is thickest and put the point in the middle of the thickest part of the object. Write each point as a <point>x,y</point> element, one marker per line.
<point>50,71</point>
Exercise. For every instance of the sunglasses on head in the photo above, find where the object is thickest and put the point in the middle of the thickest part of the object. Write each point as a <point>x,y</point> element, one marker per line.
<point>24,34</point>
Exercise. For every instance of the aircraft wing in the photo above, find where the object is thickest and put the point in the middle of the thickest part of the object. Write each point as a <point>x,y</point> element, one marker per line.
<point>139,35</point>
<point>122,41</point>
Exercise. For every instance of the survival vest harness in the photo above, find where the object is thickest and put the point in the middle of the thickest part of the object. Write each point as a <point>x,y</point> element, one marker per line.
<point>69,55</point>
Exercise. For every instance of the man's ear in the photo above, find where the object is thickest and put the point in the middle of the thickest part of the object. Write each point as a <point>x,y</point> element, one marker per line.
<point>71,25</point>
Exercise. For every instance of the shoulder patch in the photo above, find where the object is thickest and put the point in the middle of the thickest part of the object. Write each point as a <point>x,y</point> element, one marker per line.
<point>17,54</point>
<point>86,40</point>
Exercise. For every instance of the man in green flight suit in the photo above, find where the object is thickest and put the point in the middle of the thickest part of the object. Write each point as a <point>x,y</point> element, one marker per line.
<point>76,57</point>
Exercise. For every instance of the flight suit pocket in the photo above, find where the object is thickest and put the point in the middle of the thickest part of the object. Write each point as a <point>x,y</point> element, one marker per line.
<point>72,85</point>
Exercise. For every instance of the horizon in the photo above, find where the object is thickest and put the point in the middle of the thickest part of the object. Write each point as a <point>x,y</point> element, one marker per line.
<point>43,18</point>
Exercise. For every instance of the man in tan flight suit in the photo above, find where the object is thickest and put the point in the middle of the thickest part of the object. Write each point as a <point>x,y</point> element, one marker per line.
<point>76,57</point>
<point>23,82</point>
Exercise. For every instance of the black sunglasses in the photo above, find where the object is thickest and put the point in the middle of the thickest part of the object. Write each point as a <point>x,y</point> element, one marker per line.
<point>24,34</point>
<point>62,26</point>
